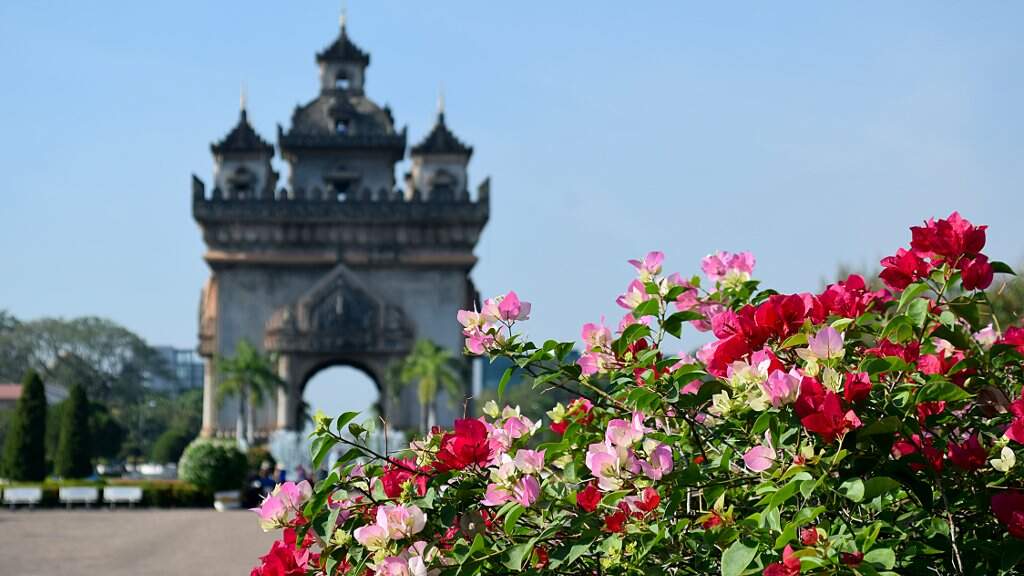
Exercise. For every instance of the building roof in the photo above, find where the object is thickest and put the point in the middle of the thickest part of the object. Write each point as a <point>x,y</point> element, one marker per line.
<point>343,50</point>
<point>368,126</point>
<point>441,140</point>
<point>242,138</point>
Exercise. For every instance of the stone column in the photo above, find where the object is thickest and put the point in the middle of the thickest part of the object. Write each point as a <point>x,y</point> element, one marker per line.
<point>209,398</point>
<point>288,394</point>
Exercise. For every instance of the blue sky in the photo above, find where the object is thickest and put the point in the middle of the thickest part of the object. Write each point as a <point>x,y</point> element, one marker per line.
<point>810,133</point>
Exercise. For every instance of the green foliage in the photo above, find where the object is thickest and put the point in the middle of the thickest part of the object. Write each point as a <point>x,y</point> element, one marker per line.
<point>249,375</point>
<point>171,444</point>
<point>432,369</point>
<point>74,447</point>
<point>255,456</point>
<point>25,444</point>
<point>213,465</point>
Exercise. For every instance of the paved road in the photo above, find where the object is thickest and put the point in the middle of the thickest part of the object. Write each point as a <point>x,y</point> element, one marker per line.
<point>130,542</point>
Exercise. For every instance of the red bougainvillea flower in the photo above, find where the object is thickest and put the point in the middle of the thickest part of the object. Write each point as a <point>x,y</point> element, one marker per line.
<point>909,352</point>
<point>1008,506</point>
<point>809,536</point>
<point>616,522</point>
<point>903,269</point>
<point>831,421</point>
<point>398,473</point>
<point>847,299</point>
<point>285,559</point>
<point>1014,336</point>
<point>713,520</point>
<point>905,447</point>
<point>648,501</point>
<point>856,387</point>
<point>789,566</point>
<point>969,455</point>
<point>976,273</point>
<point>578,411</point>
<point>949,238</point>
<point>851,558</point>
<point>464,447</point>
<point>811,397</point>
<point>589,497</point>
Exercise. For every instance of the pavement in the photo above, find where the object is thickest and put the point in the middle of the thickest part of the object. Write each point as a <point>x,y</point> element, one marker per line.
<point>130,542</point>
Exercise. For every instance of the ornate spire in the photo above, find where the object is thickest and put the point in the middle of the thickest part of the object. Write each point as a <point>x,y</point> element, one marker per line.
<point>243,98</point>
<point>441,140</point>
<point>440,101</point>
<point>243,137</point>
<point>343,16</point>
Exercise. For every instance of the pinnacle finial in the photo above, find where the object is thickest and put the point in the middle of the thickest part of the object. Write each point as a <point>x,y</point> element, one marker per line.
<point>440,100</point>
<point>243,99</point>
<point>344,14</point>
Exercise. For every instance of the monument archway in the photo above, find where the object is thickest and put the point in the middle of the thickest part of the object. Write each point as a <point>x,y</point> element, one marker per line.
<point>338,388</point>
<point>352,277</point>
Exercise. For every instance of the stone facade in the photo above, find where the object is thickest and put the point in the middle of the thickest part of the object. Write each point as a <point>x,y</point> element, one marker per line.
<point>339,267</point>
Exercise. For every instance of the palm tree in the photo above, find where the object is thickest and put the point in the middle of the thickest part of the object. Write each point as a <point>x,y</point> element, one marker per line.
<point>251,376</point>
<point>431,368</point>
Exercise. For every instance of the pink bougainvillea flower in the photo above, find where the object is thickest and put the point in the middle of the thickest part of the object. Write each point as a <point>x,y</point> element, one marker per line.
<point>782,387</point>
<point>826,344</point>
<point>526,491</point>
<point>759,458</point>
<point>272,512</point>
<point>986,337</point>
<point>511,309</point>
<point>649,266</point>
<point>529,461</point>
<point>634,295</point>
<point>495,495</point>
<point>625,434</point>
<point>478,342</point>
<point>371,536</point>
<point>728,266</point>
<point>658,463</point>
<point>471,320</point>
<point>400,521</point>
<point>596,336</point>
<point>1008,507</point>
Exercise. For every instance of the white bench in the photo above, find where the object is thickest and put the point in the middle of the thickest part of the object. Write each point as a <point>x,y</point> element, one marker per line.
<point>29,496</point>
<point>129,495</point>
<point>79,495</point>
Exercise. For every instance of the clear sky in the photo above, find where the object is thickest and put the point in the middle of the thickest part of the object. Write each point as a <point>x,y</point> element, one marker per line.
<point>810,133</point>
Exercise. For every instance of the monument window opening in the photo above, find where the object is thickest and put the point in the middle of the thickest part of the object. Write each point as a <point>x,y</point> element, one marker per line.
<point>341,127</point>
<point>341,82</point>
<point>338,389</point>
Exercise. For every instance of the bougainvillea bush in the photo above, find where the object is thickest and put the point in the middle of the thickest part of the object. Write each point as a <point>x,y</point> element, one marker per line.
<point>851,431</point>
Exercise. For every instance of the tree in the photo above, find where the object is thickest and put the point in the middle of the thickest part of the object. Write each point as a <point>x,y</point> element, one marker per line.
<point>251,377</point>
<point>25,445</point>
<point>74,450</point>
<point>431,368</point>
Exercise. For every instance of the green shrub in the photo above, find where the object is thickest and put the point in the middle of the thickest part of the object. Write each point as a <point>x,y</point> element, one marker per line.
<point>170,445</point>
<point>256,456</point>
<point>74,449</point>
<point>213,465</point>
<point>25,444</point>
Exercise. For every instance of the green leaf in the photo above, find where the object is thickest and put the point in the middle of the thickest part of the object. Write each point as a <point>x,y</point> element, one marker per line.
<point>1001,268</point>
<point>321,448</point>
<point>504,382</point>
<point>884,556</point>
<point>511,518</point>
<point>918,312</point>
<point>853,489</point>
<point>911,292</point>
<point>886,425</point>
<point>575,552</point>
<point>840,324</point>
<point>650,307</point>
<point>517,554</point>
<point>879,485</point>
<point>344,419</point>
<point>795,340</point>
<point>941,390</point>
<point>736,558</point>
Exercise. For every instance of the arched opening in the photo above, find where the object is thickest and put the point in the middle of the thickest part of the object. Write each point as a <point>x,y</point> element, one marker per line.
<point>337,389</point>
<point>341,81</point>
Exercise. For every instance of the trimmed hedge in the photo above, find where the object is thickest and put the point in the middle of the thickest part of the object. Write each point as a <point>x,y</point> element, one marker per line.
<point>213,465</point>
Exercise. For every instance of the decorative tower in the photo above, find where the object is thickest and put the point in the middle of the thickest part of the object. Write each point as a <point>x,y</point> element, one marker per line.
<point>439,165</point>
<point>338,267</point>
<point>342,145</point>
<point>241,162</point>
